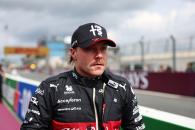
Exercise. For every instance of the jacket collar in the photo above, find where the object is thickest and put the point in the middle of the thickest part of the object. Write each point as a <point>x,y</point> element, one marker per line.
<point>88,82</point>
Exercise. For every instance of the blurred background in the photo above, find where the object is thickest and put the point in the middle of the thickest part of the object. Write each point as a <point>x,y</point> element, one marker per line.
<point>155,50</point>
<point>152,34</point>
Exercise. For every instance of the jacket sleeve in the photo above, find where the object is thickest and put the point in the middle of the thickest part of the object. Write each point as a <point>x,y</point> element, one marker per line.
<point>131,118</point>
<point>39,113</point>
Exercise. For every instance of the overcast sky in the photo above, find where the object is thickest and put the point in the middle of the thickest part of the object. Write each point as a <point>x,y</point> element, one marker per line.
<point>23,22</point>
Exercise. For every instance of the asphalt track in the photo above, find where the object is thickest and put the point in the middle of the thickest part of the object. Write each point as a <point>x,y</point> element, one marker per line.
<point>176,104</point>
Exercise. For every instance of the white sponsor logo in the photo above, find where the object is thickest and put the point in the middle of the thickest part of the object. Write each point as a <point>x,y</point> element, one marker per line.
<point>39,91</point>
<point>96,30</point>
<point>138,118</point>
<point>140,127</point>
<point>135,110</point>
<point>122,86</point>
<point>74,75</point>
<point>54,86</point>
<point>134,100</point>
<point>115,100</point>
<point>25,121</point>
<point>101,91</point>
<point>113,84</point>
<point>69,90</point>
<point>70,100</point>
<point>116,85</point>
<point>30,119</point>
<point>66,92</point>
<point>34,100</point>
<point>132,90</point>
<point>34,111</point>
<point>70,109</point>
<point>74,43</point>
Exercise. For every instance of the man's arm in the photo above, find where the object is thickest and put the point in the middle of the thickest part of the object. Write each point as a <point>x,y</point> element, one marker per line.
<point>131,120</point>
<point>38,116</point>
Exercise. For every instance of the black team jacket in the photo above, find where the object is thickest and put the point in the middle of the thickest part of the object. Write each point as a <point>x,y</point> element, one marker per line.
<point>69,101</point>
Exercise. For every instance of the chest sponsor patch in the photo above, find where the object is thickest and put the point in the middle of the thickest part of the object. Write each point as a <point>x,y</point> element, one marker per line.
<point>70,109</point>
<point>70,100</point>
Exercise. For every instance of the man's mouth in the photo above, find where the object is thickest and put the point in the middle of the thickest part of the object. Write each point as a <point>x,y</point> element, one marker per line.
<point>98,64</point>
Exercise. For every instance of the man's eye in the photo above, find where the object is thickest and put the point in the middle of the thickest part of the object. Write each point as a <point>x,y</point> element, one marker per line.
<point>104,47</point>
<point>89,49</point>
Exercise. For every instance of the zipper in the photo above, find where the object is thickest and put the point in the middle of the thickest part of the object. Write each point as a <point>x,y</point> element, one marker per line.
<point>104,85</point>
<point>95,109</point>
<point>103,103</point>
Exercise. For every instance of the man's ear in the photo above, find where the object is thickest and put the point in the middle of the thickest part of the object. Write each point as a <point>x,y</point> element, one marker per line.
<point>72,52</point>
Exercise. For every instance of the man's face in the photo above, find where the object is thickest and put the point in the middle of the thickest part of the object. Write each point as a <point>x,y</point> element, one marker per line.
<point>91,61</point>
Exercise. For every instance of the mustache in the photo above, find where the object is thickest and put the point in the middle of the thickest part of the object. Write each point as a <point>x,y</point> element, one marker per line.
<point>98,63</point>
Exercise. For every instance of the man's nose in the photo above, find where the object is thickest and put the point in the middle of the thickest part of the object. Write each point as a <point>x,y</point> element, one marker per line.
<point>99,53</point>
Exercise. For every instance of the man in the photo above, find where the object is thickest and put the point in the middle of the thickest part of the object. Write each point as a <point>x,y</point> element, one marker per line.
<point>87,97</point>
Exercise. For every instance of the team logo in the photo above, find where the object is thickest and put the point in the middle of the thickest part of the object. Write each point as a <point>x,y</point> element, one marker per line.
<point>69,90</point>
<point>96,30</point>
